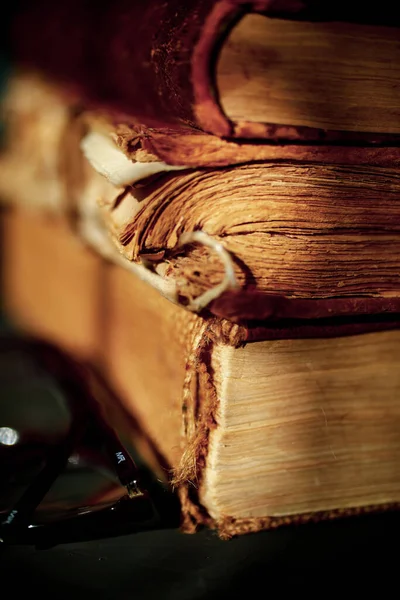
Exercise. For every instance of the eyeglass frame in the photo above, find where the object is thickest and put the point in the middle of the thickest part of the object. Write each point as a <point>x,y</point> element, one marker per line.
<point>136,510</point>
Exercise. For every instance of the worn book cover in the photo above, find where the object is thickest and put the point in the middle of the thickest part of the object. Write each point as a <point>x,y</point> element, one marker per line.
<point>256,421</point>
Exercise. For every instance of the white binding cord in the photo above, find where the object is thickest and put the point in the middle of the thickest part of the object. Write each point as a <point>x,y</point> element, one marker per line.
<point>94,233</point>
<point>229,281</point>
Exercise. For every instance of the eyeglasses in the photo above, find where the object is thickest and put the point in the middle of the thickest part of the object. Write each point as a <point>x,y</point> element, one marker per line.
<point>143,503</point>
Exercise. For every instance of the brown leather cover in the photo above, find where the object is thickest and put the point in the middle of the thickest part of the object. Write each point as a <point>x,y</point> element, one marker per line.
<point>251,305</point>
<point>153,61</point>
<point>194,148</point>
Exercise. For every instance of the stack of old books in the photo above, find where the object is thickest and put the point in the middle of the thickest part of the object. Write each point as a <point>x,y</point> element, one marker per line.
<point>204,205</point>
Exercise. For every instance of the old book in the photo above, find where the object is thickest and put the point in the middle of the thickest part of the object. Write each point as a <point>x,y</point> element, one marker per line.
<point>262,413</point>
<point>300,240</point>
<point>277,70</point>
<point>276,425</point>
<point>257,426</point>
<point>55,310</point>
<point>284,239</point>
<point>258,422</point>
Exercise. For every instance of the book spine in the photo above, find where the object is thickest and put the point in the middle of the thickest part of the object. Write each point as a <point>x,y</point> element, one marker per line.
<point>133,57</point>
<point>154,61</point>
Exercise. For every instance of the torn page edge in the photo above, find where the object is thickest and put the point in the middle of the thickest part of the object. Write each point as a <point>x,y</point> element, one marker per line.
<point>108,160</point>
<point>98,238</point>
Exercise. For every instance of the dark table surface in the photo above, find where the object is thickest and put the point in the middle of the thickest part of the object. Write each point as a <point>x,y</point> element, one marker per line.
<point>172,565</point>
